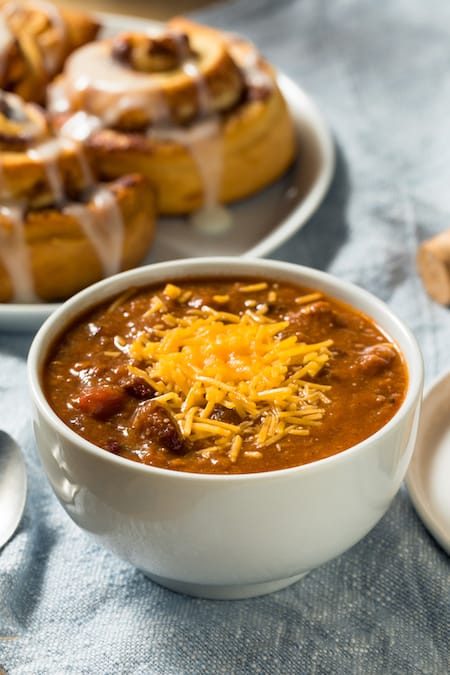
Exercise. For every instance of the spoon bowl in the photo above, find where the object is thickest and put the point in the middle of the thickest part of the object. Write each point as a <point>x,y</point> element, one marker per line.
<point>13,486</point>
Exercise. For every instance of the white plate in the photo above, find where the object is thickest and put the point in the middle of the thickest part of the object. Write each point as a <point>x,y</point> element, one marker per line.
<point>260,224</point>
<point>428,478</point>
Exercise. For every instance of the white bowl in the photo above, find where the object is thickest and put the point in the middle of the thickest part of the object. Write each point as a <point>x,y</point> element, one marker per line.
<point>222,536</point>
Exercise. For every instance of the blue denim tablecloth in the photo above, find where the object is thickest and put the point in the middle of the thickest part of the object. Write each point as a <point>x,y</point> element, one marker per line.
<point>380,72</point>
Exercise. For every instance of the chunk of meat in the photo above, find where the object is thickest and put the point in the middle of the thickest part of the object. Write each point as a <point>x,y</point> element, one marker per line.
<point>101,402</point>
<point>314,319</point>
<point>156,423</point>
<point>374,359</point>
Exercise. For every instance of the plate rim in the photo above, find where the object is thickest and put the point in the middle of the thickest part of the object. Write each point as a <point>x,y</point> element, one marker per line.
<point>307,206</point>
<point>26,316</point>
<point>417,491</point>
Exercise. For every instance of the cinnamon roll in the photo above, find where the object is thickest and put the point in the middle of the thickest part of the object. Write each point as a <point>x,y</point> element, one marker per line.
<point>60,228</point>
<point>195,110</point>
<point>35,40</point>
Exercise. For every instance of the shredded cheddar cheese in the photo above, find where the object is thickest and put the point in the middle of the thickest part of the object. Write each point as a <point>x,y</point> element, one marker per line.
<point>247,363</point>
<point>172,291</point>
<point>311,297</point>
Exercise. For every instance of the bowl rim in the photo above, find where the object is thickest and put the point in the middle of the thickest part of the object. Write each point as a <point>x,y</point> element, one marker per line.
<point>346,292</point>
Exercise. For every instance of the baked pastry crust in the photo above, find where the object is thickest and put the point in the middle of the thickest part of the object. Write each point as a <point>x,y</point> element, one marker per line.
<point>53,256</point>
<point>215,132</point>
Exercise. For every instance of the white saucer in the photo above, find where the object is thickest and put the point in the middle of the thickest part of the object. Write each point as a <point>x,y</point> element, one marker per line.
<point>428,479</point>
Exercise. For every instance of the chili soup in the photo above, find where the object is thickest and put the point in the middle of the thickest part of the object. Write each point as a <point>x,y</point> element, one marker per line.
<point>225,375</point>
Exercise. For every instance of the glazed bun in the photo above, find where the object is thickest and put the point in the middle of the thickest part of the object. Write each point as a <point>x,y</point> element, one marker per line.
<point>197,111</point>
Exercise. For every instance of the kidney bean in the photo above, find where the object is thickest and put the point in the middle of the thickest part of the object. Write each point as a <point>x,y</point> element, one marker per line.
<point>138,388</point>
<point>113,445</point>
<point>222,414</point>
<point>101,402</point>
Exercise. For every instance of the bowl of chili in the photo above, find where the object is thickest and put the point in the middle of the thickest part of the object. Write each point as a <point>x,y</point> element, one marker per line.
<point>225,425</point>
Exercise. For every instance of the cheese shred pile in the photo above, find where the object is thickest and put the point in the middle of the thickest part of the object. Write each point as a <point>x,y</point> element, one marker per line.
<point>247,363</point>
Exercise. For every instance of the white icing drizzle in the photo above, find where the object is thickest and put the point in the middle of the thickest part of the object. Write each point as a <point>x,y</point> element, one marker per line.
<point>204,142</point>
<point>215,219</point>
<point>191,69</point>
<point>57,97</point>
<point>80,126</point>
<point>73,133</point>
<point>14,254</point>
<point>77,148</point>
<point>117,87</point>
<point>102,224</point>
<point>206,149</point>
<point>157,103</point>
<point>48,152</point>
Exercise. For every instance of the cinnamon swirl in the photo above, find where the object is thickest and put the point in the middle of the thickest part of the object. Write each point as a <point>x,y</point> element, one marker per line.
<point>35,40</point>
<point>195,110</point>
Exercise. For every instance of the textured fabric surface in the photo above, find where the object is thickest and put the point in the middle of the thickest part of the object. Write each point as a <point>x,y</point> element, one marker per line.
<point>380,73</point>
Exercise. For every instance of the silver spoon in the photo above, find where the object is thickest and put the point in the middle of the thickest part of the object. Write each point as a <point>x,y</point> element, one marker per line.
<point>13,486</point>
